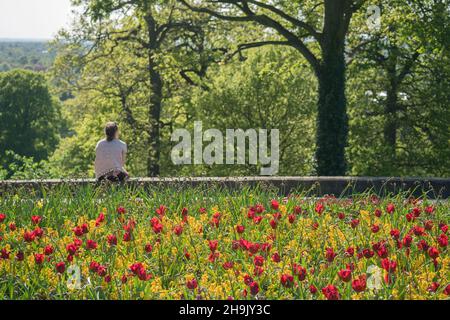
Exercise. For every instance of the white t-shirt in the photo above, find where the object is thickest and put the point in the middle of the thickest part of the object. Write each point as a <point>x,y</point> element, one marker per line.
<point>109,156</point>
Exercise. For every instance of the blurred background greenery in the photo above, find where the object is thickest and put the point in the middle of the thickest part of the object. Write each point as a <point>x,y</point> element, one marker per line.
<point>55,97</point>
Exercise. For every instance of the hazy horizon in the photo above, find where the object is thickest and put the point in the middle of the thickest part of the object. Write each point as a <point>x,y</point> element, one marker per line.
<point>31,20</point>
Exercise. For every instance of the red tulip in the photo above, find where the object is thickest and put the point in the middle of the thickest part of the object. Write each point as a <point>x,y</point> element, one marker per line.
<point>447,290</point>
<point>100,219</point>
<point>418,231</point>
<point>259,208</point>
<point>248,279</point>
<point>78,231</point>
<point>273,223</point>
<point>319,208</point>
<point>178,230</point>
<point>349,252</point>
<point>409,217</point>
<point>388,265</point>
<point>407,240</point>
<point>378,213</point>
<point>276,257</point>
<point>345,275</point>
<point>354,223</point>
<point>258,271</point>
<point>38,258</point>
<point>429,209</point>
<point>390,208</point>
<point>375,228</point>
<point>4,254</point>
<point>93,266</point>
<point>157,228</point>
<point>359,284</point>
<point>423,245</point>
<point>257,219</point>
<point>20,256</point>
<point>191,284</point>
<point>291,218</point>
<point>111,239</point>
<point>38,232</point>
<point>382,252</point>
<point>228,265</point>
<point>240,229</point>
<point>213,245</point>
<point>91,244</point>
<point>287,280</point>
<point>60,267</point>
<point>433,253</point>
<point>331,292</point>
<point>395,234</point>
<point>258,261</point>
<point>101,271</point>
<point>428,225</point>
<point>2,217</point>
<point>254,288</point>
<point>36,219</point>
<point>443,240</point>
<point>300,272</point>
<point>48,250</point>
<point>71,248</point>
<point>329,254</point>
<point>433,287</point>
<point>274,204</point>
<point>213,256</point>
<point>416,212</point>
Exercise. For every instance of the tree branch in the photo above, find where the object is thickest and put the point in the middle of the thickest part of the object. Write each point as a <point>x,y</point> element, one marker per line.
<point>289,18</point>
<point>246,46</point>
<point>264,20</point>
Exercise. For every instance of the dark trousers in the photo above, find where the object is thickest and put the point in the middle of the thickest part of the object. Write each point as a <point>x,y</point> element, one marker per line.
<point>110,177</point>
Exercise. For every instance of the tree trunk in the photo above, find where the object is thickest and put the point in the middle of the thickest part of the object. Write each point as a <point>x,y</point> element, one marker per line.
<point>155,99</point>
<point>390,125</point>
<point>332,121</point>
<point>390,109</point>
<point>154,116</point>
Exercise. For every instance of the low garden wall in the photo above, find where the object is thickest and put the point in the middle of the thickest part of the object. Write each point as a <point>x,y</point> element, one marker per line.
<point>312,186</point>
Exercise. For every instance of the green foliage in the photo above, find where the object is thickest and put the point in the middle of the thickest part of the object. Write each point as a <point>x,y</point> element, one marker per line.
<point>399,94</point>
<point>29,116</point>
<point>397,90</point>
<point>34,55</point>
<point>24,168</point>
<point>272,89</point>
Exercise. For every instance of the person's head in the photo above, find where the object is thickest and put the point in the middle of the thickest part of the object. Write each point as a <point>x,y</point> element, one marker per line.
<point>112,131</point>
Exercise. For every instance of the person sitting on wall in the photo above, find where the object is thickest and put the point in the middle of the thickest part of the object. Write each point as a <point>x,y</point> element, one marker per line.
<point>110,154</point>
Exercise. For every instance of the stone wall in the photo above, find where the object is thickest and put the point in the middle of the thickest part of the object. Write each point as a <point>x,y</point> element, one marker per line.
<point>315,186</point>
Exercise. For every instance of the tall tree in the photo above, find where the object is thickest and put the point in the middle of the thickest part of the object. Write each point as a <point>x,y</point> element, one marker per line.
<point>151,28</point>
<point>302,24</point>
<point>409,55</point>
<point>28,116</point>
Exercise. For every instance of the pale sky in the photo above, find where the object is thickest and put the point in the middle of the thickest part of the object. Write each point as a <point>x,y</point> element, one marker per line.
<point>30,19</point>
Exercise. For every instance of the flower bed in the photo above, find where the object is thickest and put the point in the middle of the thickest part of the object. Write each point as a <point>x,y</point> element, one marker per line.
<point>207,243</point>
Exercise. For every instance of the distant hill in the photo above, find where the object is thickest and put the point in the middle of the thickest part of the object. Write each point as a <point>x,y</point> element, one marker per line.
<point>31,54</point>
